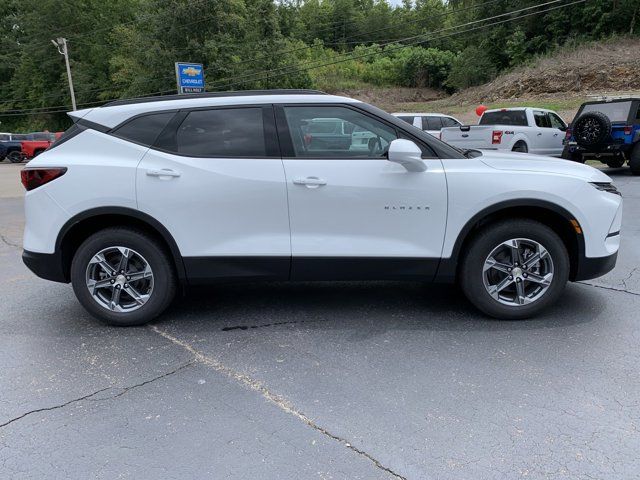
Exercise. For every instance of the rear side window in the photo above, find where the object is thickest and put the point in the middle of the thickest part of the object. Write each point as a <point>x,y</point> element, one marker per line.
<point>431,123</point>
<point>616,111</point>
<point>516,118</point>
<point>224,132</point>
<point>449,122</point>
<point>144,129</point>
<point>406,118</point>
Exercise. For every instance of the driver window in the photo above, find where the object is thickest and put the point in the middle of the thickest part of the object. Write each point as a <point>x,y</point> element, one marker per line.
<point>556,121</point>
<point>337,132</point>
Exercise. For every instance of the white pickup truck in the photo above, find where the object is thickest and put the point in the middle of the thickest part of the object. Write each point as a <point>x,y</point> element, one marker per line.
<point>526,130</point>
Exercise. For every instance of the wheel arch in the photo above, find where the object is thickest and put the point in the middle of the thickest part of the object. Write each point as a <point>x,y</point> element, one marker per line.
<point>79,227</point>
<point>554,216</point>
<point>519,138</point>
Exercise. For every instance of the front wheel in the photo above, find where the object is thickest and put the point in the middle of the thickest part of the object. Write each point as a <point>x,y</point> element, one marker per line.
<point>123,276</point>
<point>514,269</point>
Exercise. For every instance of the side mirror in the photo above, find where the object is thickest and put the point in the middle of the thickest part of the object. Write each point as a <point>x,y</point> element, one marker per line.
<point>407,154</point>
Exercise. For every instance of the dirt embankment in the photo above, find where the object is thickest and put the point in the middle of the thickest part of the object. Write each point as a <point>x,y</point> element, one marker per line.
<point>591,69</point>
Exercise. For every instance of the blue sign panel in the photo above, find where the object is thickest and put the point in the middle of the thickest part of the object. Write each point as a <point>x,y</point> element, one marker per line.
<point>190,77</point>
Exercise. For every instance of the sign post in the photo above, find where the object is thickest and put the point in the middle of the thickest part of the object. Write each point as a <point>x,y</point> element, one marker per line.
<point>189,77</point>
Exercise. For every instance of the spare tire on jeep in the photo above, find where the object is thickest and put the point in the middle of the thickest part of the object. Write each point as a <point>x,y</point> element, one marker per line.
<point>591,128</point>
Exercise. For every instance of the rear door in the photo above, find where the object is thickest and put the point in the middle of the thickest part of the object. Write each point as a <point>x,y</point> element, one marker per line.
<point>215,180</point>
<point>432,125</point>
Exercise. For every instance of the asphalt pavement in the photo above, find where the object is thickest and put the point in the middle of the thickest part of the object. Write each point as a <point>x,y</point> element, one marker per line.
<point>320,380</point>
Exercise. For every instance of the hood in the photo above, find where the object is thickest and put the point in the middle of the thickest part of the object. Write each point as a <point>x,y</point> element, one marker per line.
<point>538,163</point>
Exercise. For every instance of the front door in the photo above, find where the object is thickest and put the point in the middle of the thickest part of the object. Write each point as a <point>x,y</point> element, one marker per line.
<point>354,214</point>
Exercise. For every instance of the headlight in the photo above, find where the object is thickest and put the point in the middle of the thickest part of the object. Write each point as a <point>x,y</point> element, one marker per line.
<point>606,187</point>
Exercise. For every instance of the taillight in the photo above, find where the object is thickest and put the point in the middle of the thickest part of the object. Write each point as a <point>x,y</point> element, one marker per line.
<point>36,177</point>
<point>496,137</point>
<point>628,130</point>
<point>567,134</point>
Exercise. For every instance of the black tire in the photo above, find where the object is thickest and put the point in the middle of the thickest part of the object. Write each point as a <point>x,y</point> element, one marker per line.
<point>591,128</point>
<point>616,162</point>
<point>164,278</point>
<point>573,156</point>
<point>471,272</point>
<point>15,157</point>
<point>520,147</point>
<point>634,159</point>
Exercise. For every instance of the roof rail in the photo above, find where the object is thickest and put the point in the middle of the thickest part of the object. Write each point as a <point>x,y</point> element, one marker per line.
<point>239,93</point>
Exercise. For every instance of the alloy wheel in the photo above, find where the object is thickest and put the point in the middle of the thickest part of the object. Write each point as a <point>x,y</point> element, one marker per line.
<point>518,272</point>
<point>119,279</point>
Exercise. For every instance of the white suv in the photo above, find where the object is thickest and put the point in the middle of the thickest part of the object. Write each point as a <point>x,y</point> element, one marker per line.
<point>142,197</point>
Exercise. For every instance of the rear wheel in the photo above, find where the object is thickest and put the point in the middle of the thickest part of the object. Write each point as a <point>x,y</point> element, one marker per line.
<point>616,162</point>
<point>123,276</point>
<point>520,147</point>
<point>634,159</point>
<point>514,269</point>
<point>573,156</point>
<point>15,156</point>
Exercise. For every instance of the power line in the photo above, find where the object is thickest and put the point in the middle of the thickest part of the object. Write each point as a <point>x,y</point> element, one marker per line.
<point>251,60</point>
<point>418,36</point>
<point>349,58</point>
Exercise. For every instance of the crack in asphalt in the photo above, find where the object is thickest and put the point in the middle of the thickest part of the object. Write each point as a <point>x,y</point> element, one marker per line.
<point>605,287</point>
<point>8,242</point>
<point>88,397</point>
<point>277,400</point>
<point>55,407</point>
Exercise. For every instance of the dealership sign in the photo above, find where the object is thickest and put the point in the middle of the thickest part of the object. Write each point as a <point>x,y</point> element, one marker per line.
<point>190,77</point>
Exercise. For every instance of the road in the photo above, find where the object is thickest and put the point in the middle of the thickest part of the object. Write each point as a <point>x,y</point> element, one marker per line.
<point>320,381</point>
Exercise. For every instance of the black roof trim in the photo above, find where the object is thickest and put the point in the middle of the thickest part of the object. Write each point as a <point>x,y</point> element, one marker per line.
<point>613,100</point>
<point>240,93</point>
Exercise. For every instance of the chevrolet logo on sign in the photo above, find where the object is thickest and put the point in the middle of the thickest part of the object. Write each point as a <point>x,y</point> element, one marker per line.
<point>191,71</point>
<point>189,77</point>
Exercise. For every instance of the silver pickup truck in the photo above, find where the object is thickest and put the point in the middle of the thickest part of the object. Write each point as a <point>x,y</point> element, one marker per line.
<point>525,129</point>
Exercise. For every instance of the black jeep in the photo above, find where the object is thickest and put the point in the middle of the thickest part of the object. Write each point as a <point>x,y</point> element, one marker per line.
<point>607,130</point>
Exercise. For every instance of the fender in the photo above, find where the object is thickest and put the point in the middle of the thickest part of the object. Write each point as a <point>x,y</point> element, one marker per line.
<point>447,268</point>
<point>127,212</point>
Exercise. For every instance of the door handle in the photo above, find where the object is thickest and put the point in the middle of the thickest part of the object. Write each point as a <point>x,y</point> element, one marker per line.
<point>540,134</point>
<point>165,172</point>
<point>555,134</point>
<point>311,182</point>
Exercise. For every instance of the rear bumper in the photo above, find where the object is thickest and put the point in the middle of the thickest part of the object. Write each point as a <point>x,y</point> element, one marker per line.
<point>589,268</point>
<point>599,150</point>
<point>45,265</point>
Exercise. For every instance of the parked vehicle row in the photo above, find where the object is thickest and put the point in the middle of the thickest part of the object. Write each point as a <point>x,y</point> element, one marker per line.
<point>19,147</point>
<point>142,198</point>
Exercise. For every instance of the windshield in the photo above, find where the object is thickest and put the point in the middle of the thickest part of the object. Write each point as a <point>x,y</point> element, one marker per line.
<point>616,111</point>
<point>505,117</point>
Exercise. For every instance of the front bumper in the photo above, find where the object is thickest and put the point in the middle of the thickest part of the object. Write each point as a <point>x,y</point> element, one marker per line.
<point>45,265</point>
<point>589,268</point>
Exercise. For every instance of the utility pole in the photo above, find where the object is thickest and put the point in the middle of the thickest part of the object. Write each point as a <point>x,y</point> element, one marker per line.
<point>62,43</point>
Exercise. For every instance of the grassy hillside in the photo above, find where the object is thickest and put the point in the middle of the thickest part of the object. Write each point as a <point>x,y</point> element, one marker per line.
<point>560,81</point>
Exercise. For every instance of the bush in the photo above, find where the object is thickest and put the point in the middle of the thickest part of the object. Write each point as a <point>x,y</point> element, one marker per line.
<point>470,67</point>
